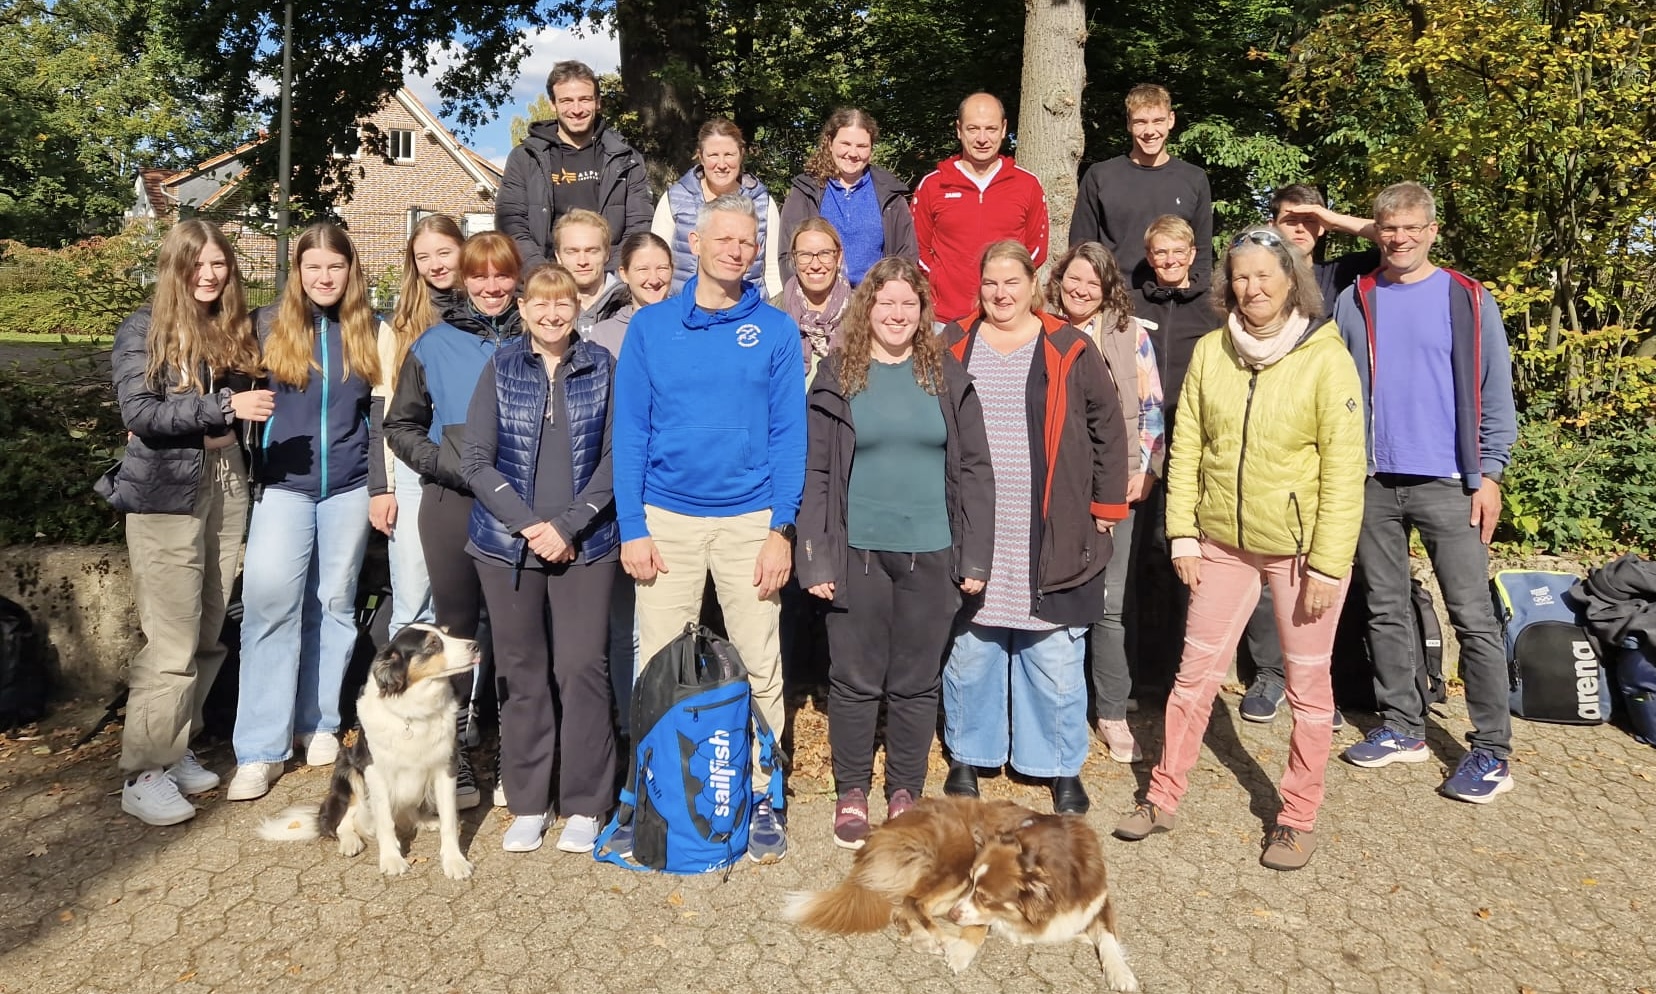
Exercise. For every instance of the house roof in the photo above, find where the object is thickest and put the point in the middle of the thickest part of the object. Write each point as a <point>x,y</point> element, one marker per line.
<point>154,181</point>
<point>478,167</point>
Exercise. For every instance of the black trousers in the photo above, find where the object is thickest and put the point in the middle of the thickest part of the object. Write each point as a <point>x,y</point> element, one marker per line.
<point>456,597</point>
<point>551,627</point>
<point>888,643</point>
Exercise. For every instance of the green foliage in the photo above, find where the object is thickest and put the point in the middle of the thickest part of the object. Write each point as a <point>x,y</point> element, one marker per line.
<point>1581,490</point>
<point>59,429</point>
<point>86,100</point>
<point>87,288</point>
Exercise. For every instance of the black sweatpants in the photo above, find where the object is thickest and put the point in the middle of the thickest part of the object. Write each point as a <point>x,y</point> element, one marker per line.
<point>456,597</point>
<point>551,627</point>
<point>888,642</point>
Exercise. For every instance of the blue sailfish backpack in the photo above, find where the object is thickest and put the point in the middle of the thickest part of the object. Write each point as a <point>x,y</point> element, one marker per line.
<point>1554,664</point>
<point>689,783</point>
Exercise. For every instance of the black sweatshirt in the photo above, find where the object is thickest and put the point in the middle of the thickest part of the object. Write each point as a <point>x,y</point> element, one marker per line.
<point>1119,198</point>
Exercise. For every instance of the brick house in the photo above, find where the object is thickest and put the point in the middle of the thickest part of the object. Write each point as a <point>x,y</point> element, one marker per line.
<point>425,171</point>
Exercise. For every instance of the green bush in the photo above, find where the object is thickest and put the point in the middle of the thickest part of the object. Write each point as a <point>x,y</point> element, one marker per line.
<point>1584,490</point>
<point>59,429</point>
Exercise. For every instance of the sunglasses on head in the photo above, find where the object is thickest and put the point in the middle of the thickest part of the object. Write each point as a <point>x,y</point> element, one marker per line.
<point>1258,236</point>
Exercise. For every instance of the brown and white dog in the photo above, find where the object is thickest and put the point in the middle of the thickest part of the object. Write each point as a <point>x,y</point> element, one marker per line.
<point>401,762</point>
<point>952,870</point>
<point>1045,882</point>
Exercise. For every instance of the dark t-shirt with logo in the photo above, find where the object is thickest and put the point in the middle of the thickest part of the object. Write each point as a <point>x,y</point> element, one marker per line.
<point>574,178</point>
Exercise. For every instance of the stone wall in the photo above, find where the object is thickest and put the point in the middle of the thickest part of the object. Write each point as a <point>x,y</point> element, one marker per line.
<point>82,597</point>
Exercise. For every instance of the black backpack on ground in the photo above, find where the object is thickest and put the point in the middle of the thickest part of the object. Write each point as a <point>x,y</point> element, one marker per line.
<point>1353,667</point>
<point>24,680</point>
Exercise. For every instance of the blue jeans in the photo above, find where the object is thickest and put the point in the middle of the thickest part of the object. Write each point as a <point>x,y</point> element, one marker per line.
<point>1044,673</point>
<point>298,630</point>
<point>410,583</point>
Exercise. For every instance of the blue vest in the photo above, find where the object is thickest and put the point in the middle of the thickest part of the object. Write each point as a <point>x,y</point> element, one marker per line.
<point>520,405</point>
<point>685,199</point>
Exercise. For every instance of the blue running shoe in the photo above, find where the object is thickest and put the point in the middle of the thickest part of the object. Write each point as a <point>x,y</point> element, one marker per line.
<point>1385,746</point>
<point>1261,702</point>
<point>767,842</point>
<point>1479,778</point>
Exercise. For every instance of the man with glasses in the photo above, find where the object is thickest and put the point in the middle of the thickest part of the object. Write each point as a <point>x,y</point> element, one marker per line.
<point>1436,372</point>
<point>573,162</point>
<point>1120,197</point>
<point>970,200</point>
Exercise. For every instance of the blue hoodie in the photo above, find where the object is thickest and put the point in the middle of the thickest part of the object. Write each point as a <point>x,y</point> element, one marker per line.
<point>709,412</point>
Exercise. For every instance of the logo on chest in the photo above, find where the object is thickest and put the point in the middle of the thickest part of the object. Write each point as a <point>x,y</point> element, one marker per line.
<point>747,336</point>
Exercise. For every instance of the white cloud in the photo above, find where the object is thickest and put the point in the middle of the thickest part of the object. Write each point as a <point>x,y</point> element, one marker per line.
<point>598,49</point>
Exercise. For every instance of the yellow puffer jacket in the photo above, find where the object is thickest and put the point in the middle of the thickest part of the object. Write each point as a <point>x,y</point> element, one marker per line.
<point>1272,461</point>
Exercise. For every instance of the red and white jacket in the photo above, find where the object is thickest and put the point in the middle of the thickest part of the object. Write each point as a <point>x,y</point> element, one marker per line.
<point>954,222</point>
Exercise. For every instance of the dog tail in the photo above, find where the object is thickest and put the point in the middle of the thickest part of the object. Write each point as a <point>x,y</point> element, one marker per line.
<point>293,825</point>
<point>846,909</point>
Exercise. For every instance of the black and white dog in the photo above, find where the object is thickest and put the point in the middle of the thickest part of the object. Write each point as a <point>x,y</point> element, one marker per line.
<point>400,762</point>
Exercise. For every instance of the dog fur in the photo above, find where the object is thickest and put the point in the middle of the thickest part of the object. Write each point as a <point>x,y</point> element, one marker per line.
<point>1045,881</point>
<point>912,871</point>
<point>402,760</point>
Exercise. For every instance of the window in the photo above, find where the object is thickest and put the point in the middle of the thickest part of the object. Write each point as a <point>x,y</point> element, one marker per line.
<point>471,224</point>
<point>401,145</point>
<point>415,216</point>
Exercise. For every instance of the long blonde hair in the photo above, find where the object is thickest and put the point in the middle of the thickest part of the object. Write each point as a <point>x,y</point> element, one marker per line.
<point>857,332</point>
<point>186,335</point>
<point>287,352</point>
<point>414,313</point>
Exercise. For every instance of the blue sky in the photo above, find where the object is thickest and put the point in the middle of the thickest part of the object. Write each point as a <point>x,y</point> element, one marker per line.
<point>493,140</point>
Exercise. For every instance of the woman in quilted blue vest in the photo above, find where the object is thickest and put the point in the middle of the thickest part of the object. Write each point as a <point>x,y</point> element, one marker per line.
<point>721,153</point>
<point>543,535</point>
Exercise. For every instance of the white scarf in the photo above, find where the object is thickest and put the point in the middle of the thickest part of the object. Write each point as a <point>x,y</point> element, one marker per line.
<point>1257,352</point>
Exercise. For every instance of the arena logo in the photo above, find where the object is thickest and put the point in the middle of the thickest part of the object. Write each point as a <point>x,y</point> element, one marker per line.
<point>1587,681</point>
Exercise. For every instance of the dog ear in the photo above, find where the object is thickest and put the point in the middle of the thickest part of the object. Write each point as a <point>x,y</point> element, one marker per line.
<point>391,671</point>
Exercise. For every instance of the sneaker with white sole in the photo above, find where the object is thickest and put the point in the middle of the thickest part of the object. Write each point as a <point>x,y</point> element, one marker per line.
<point>321,749</point>
<point>767,836</point>
<point>1479,779</point>
<point>152,797</point>
<point>252,780</point>
<point>1118,740</point>
<point>465,782</point>
<point>578,835</point>
<point>191,776</point>
<point>524,834</point>
<point>1385,746</point>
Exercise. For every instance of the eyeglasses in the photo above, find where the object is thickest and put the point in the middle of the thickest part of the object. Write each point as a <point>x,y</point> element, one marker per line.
<point>1411,230</point>
<point>826,255</point>
<point>1258,236</point>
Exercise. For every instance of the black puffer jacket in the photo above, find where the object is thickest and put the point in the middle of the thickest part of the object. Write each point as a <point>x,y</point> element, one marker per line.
<point>162,466</point>
<point>527,204</point>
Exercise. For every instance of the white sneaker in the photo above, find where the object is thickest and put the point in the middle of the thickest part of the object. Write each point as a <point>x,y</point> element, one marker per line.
<point>579,834</point>
<point>524,834</point>
<point>191,776</point>
<point>252,780</point>
<point>321,749</point>
<point>153,798</point>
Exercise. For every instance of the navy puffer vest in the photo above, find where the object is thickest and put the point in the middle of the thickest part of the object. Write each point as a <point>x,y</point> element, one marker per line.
<point>520,405</point>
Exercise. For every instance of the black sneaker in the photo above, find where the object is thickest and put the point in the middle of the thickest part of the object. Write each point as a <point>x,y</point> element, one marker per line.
<point>465,782</point>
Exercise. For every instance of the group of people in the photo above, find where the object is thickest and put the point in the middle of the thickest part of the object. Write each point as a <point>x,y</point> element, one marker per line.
<point>865,400</point>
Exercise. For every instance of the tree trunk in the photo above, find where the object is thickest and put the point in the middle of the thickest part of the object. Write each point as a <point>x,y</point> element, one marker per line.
<point>1050,134</point>
<point>663,61</point>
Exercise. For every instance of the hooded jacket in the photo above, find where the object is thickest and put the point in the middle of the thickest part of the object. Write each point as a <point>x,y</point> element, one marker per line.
<point>526,204</point>
<point>610,300</point>
<point>425,423</point>
<point>1077,444</point>
<point>316,441</point>
<point>822,552</point>
<point>1271,460</point>
<point>708,418</point>
<point>954,221</point>
<point>896,221</point>
<point>381,471</point>
<point>162,465</point>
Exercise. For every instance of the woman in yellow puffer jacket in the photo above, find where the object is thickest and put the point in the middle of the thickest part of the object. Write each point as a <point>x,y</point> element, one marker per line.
<point>1265,485</point>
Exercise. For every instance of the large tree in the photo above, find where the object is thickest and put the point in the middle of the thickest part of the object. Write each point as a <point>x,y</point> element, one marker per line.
<point>87,98</point>
<point>1050,136</point>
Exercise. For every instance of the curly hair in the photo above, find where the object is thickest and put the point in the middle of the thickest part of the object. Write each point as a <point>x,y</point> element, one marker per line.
<point>856,348</point>
<point>1117,300</point>
<point>820,166</point>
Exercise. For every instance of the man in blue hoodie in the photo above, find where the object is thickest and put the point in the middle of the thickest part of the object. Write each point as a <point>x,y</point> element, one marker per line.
<point>709,451</point>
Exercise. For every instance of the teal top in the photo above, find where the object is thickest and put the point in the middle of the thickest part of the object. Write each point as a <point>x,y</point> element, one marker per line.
<point>896,501</point>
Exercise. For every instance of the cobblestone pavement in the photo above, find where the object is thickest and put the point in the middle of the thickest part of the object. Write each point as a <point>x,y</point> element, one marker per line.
<point>1546,890</point>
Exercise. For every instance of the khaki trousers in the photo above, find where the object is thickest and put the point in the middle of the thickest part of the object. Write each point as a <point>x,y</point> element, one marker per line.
<point>692,548</point>
<point>183,566</point>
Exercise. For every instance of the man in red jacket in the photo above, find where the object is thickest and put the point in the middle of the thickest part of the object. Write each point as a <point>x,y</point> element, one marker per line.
<point>971,200</point>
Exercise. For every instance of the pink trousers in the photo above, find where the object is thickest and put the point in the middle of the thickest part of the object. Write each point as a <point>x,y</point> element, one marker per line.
<point>1219,608</point>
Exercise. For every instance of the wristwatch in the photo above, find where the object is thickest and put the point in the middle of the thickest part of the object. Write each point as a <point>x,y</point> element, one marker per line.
<point>787,531</point>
